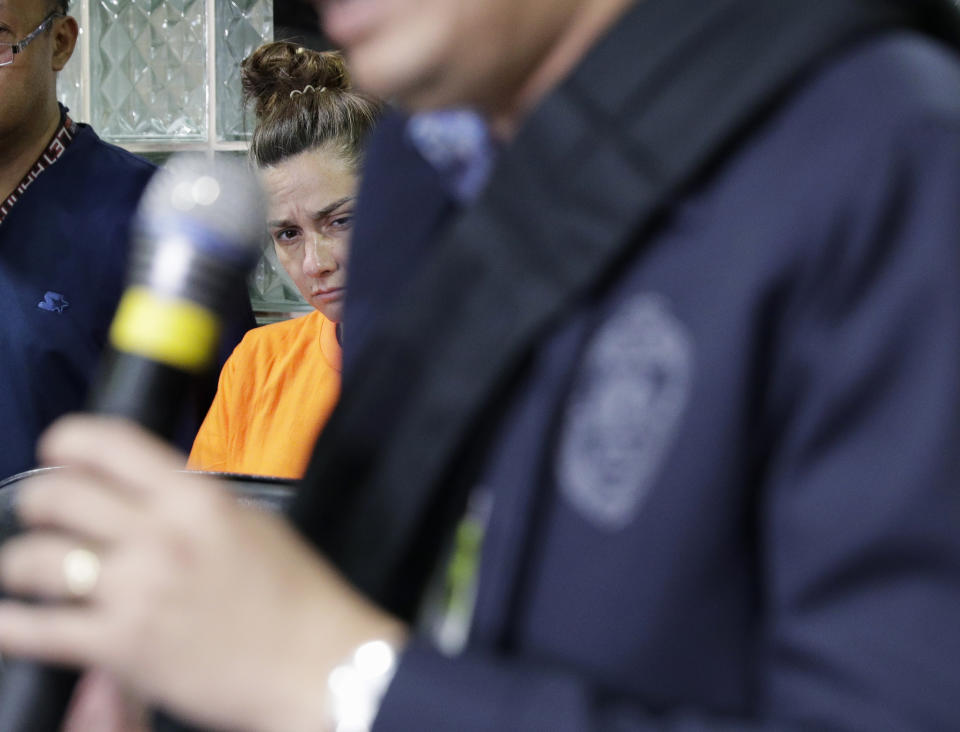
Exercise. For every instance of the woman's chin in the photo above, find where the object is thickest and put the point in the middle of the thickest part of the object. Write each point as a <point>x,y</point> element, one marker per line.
<point>332,311</point>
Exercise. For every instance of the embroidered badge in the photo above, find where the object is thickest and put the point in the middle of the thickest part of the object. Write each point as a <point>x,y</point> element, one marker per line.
<point>622,414</point>
<point>53,302</point>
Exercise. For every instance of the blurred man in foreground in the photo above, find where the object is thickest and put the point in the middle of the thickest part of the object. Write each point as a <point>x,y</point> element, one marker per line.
<point>676,349</point>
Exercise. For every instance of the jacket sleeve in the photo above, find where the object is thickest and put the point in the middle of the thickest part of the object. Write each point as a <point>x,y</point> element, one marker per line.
<point>857,513</point>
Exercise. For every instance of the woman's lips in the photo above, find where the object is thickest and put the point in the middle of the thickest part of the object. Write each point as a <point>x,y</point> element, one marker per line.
<point>331,295</point>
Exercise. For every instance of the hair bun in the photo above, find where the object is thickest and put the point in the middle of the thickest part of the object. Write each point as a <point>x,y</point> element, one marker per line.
<point>273,71</point>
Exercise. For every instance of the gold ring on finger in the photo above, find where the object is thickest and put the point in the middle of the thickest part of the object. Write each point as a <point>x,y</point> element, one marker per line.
<point>81,570</point>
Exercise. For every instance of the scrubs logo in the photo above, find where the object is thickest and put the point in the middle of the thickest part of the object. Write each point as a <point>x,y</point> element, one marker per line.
<point>53,302</point>
<point>623,411</point>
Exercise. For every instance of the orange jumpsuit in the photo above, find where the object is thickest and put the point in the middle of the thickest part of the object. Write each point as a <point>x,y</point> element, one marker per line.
<point>276,392</point>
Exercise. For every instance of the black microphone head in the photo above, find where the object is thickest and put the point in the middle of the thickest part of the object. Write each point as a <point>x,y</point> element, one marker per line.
<point>197,233</point>
<point>199,220</point>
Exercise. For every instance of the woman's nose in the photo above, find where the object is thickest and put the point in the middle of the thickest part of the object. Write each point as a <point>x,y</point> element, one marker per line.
<point>318,257</point>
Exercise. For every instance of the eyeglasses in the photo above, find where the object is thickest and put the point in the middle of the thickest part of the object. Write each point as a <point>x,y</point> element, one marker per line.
<point>9,50</point>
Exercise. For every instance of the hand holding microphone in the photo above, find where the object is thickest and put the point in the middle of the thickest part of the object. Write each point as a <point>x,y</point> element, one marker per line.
<point>218,613</point>
<point>195,238</point>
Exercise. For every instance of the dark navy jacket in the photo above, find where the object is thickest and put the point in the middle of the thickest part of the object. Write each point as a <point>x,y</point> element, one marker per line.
<point>727,480</point>
<point>66,242</point>
<point>68,235</point>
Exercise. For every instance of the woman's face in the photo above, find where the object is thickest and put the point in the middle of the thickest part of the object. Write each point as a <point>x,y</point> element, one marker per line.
<point>310,200</point>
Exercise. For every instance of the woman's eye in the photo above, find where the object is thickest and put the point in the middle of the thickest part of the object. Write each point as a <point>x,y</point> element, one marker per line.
<point>285,235</point>
<point>343,221</point>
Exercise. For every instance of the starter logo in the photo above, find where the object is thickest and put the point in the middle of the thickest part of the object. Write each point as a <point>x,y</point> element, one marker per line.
<point>53,302</point>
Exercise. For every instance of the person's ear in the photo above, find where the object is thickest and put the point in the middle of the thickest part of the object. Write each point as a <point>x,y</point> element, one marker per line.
<point>65,32</point>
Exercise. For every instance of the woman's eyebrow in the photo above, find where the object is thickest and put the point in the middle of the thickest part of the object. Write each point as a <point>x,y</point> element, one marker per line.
<point>322,213</point>
<point>327,210</point>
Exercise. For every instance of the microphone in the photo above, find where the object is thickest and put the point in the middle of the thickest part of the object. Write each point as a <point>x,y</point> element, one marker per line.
<point>196,235</point>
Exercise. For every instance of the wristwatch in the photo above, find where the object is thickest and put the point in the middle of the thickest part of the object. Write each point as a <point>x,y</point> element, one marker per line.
<point>357,686</point>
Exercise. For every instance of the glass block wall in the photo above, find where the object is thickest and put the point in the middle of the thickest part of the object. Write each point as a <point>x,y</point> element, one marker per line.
<point>148,70</point>
<point>158,76</point>
<point>242,25</point>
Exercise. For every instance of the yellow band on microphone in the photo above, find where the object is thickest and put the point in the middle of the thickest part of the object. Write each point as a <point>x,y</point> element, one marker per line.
<point>175,332</point>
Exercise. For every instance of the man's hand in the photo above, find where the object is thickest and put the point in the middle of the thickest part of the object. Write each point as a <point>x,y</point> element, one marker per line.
<point>218,612</point>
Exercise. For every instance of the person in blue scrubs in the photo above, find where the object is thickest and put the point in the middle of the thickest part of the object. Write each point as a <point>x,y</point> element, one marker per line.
<point>67,199</point>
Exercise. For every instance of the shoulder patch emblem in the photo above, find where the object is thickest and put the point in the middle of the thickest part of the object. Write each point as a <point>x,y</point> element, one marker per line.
<point>622,413</point>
